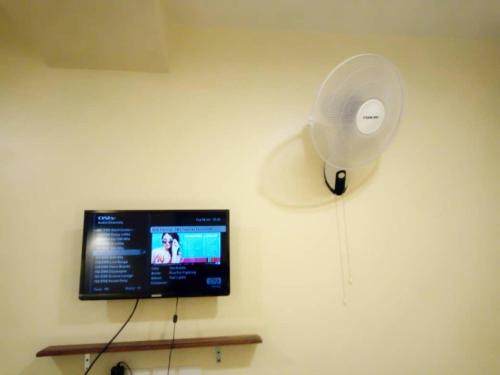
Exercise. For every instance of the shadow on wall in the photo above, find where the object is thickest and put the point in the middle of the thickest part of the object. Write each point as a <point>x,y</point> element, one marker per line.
<point>293,177</point>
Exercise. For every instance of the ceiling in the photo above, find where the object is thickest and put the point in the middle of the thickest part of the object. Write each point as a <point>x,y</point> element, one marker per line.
<point>457,18</point>
<point>131,34</point>
<point>95,34</point>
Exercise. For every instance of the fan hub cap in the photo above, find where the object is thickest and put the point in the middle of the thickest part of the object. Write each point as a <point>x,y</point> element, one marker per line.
<point>370,116</point>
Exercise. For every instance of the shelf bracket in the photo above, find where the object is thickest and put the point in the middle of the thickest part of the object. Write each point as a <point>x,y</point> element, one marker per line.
<point>218,354</point>
<point>86,361</point>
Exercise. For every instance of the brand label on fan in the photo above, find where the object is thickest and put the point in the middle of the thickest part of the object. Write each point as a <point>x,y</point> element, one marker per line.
<point>370,116</point>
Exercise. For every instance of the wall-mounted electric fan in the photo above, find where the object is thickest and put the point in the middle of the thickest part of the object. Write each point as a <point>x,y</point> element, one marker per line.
<point>356,115</point>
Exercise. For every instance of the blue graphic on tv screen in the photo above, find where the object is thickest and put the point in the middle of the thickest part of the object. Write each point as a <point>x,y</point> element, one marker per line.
<point>214,281</point>
<point>200,245</point>
<point>189,228</point>
<point>195,247</point>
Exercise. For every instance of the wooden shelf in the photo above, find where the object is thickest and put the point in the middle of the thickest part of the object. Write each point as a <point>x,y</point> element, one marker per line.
<point>132,346</point>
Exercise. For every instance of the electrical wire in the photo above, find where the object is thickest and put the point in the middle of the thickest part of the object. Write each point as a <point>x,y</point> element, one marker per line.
<point>174,319</point>
<point>113,338</point>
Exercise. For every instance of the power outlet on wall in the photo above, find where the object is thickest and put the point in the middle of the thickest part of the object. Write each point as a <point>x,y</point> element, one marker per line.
<point>190,371</point>
<point>138,372</point>
<point>162,371</point>
<point>182,371</point>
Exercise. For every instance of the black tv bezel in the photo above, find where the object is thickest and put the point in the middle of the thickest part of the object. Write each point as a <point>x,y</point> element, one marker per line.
<point>225,256</point>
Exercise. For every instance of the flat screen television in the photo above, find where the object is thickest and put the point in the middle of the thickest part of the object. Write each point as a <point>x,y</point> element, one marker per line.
<point>154,254</point>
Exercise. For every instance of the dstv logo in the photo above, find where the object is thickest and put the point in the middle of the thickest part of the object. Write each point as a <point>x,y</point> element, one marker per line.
<point>106,218</point>
<point>374,117</point>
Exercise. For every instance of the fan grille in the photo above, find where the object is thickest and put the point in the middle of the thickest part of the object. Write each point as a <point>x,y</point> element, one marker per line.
<point>335,134</point>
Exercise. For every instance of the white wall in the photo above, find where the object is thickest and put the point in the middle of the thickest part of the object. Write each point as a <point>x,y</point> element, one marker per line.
<point>225,129</point>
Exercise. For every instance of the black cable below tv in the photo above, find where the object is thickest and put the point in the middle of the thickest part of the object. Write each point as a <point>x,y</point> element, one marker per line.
<point>130,254</point>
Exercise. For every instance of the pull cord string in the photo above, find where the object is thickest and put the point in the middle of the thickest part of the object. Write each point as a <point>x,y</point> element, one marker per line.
<point>346,240</point>
<point>341,258</point>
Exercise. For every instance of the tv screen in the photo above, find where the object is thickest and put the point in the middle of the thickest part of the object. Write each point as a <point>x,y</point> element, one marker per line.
<point>148,254</point>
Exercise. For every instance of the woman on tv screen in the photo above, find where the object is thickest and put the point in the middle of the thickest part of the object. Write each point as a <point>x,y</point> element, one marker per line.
<point>169,252</point>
